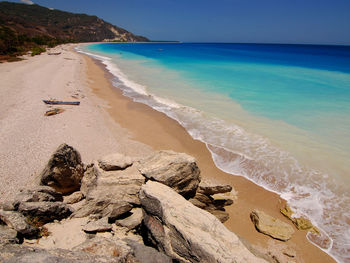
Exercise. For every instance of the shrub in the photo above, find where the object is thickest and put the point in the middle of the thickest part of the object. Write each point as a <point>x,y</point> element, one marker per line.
<point>37,51</point>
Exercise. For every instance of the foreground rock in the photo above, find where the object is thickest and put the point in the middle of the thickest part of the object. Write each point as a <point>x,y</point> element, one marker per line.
<point>210,188</point>
<point>176,170</point>
<point>45,212</point>
<point>99,184</point>
<point>25,254</point>
<point>8,236</point>
<point>213,198</point>
<point>115,162</point>
<point>271,226</point>
<point>187,233</point>
<point>38,194</point>
<point>64,170</point>
<point>19,223</point>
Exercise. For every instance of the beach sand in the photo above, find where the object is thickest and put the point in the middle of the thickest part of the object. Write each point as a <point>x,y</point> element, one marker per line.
<point>107,122</point>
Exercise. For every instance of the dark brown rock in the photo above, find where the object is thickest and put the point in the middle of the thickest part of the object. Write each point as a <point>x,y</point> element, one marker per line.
<point>209,188</point>
<point>64,170</point>
<point>45,212</point>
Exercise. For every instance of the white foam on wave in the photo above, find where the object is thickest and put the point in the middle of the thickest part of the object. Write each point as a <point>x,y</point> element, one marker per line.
<point>238,152</point>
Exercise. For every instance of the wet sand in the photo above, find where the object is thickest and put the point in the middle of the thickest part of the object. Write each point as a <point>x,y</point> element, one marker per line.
<point>158,131</point>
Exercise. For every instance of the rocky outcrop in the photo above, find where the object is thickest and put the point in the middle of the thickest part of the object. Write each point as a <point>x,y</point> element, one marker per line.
<point>103,208</point>
<point>26,254</point>
<point>38,194</point>
<point>271,226</point>
<point>187,233</point>
<point>176,170</point>
<point>99,184</point>
<point>8,236</point>
<point>100,225</point>
<point>115,162</point>
<point>209,188</point>
<point>133,220</point>
<point>18,222</point>
<point>44,212</point>
<point>213,198</point>
<point>73,198</point>
<point>64,170</point>
<point>112,213</point>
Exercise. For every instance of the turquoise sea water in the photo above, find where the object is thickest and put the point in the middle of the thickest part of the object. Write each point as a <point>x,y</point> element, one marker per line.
<point>277,114</point>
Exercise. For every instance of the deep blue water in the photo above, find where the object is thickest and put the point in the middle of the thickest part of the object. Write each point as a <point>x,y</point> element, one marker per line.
<point>283,109</point>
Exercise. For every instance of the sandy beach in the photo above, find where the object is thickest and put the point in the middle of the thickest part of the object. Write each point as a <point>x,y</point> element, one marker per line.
<point>104,123</point>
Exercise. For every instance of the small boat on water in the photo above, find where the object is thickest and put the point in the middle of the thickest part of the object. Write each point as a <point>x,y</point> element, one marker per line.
<point>61,102</point>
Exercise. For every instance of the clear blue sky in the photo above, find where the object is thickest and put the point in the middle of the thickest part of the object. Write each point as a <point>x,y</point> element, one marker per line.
<point>258,21</point>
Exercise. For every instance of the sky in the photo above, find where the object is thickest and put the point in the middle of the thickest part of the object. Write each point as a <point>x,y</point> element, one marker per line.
<point>239,21</point>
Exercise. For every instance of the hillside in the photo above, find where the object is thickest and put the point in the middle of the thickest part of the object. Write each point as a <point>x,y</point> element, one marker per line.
<point>21,25</point>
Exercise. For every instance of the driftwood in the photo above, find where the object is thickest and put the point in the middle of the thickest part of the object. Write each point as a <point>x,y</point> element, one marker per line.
<point>61,102</point>
<point>54,111</point>
<point>54,53</point>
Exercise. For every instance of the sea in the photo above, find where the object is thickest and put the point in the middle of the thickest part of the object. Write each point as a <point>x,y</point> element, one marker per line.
<point>279,115</point>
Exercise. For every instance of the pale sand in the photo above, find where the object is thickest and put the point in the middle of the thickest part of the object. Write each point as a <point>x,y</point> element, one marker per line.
<point>28,138</point>
<point>103,124</point>
<point>160,132</point>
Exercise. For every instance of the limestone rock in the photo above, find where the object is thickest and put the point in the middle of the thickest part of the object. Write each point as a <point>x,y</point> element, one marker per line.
<point>301,223</point>
<point>187,233</point>
<point>209,188</point>
<point>223,199</point>
<point>214,204</point>
<point>115,248</point>
<point>37,194</point>
<point>8,236</point>
<point>73,198</point>
<point>64,170</point>
<point>114,162</point>
<point>45,211</point>
<point>147,254</point>
<point>176,170</point>
<point>132,221</point>
<point>123,185</point>
<point>100,225</point>
<point>103,208</point>
<point>18,222</point>
<point>270,226</point>
<point>26,254</point>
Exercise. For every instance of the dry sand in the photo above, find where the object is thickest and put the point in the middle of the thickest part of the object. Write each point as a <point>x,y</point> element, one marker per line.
<point>107,122</point>
<point>28,138</point>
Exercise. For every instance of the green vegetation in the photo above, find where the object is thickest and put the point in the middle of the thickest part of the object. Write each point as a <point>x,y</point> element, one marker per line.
<point>31,27</point>
<point>37,51</point>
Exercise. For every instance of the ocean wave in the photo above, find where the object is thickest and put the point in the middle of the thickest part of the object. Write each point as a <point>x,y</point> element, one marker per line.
<point>309,192</point>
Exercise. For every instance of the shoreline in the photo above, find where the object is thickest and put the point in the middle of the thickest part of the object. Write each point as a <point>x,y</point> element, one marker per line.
<point>155,129</point>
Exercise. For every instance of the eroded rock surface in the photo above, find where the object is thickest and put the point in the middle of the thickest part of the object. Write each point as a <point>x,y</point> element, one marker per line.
<point>271,226</point>
<point>187,233</point>
<point>64,170</point>
<point>19,223</point>
<point>176,170</point>
<point>114,162</point>
<point>123,185</point>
